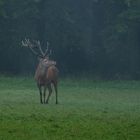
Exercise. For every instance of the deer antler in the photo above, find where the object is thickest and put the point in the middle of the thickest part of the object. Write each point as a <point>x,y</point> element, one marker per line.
<point>38,45</point>
<point>47,49</point>
<point>27,43</point>
<point>35,44</point>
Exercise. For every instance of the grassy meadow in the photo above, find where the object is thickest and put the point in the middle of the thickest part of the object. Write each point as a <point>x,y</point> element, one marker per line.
<point>87,110</point>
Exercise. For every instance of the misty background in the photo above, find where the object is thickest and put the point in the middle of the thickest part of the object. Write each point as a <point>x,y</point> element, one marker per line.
<point>96,37</point>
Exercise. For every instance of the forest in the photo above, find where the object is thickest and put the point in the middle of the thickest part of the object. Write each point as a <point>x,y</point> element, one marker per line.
<point>95,44</point>
<point>95,37</point>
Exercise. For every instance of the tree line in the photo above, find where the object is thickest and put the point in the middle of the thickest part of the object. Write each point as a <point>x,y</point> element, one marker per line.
<point>95,36</point>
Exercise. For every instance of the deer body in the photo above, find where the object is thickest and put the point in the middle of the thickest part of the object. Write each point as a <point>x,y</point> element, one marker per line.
<point>46,73</point>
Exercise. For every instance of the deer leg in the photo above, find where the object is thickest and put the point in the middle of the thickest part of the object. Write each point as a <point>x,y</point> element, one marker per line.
<point>45,87</point>
<point>40,91</point>
<point>50,92</point>
<point>55,87</point>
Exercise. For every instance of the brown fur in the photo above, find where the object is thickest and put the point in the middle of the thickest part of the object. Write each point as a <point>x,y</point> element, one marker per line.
<point>46,75</point>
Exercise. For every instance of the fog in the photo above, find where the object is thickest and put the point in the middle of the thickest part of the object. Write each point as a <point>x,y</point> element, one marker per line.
<point>95,36</point>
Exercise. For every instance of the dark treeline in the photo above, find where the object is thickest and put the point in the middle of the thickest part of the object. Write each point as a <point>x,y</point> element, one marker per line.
<point>101,37</point>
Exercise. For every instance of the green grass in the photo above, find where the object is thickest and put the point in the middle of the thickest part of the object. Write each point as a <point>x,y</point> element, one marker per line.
<point>87,110</point>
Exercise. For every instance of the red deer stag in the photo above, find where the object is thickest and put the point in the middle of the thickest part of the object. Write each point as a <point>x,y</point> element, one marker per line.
<point>46,73</point>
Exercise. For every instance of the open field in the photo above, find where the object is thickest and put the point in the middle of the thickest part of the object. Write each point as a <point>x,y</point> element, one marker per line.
<point>87,110</point>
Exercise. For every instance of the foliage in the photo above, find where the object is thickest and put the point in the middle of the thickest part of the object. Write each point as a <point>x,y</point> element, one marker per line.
<point>97,36</point>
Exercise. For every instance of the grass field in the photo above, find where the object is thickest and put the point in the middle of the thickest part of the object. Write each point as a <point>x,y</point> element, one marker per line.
<point>87,110</point>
